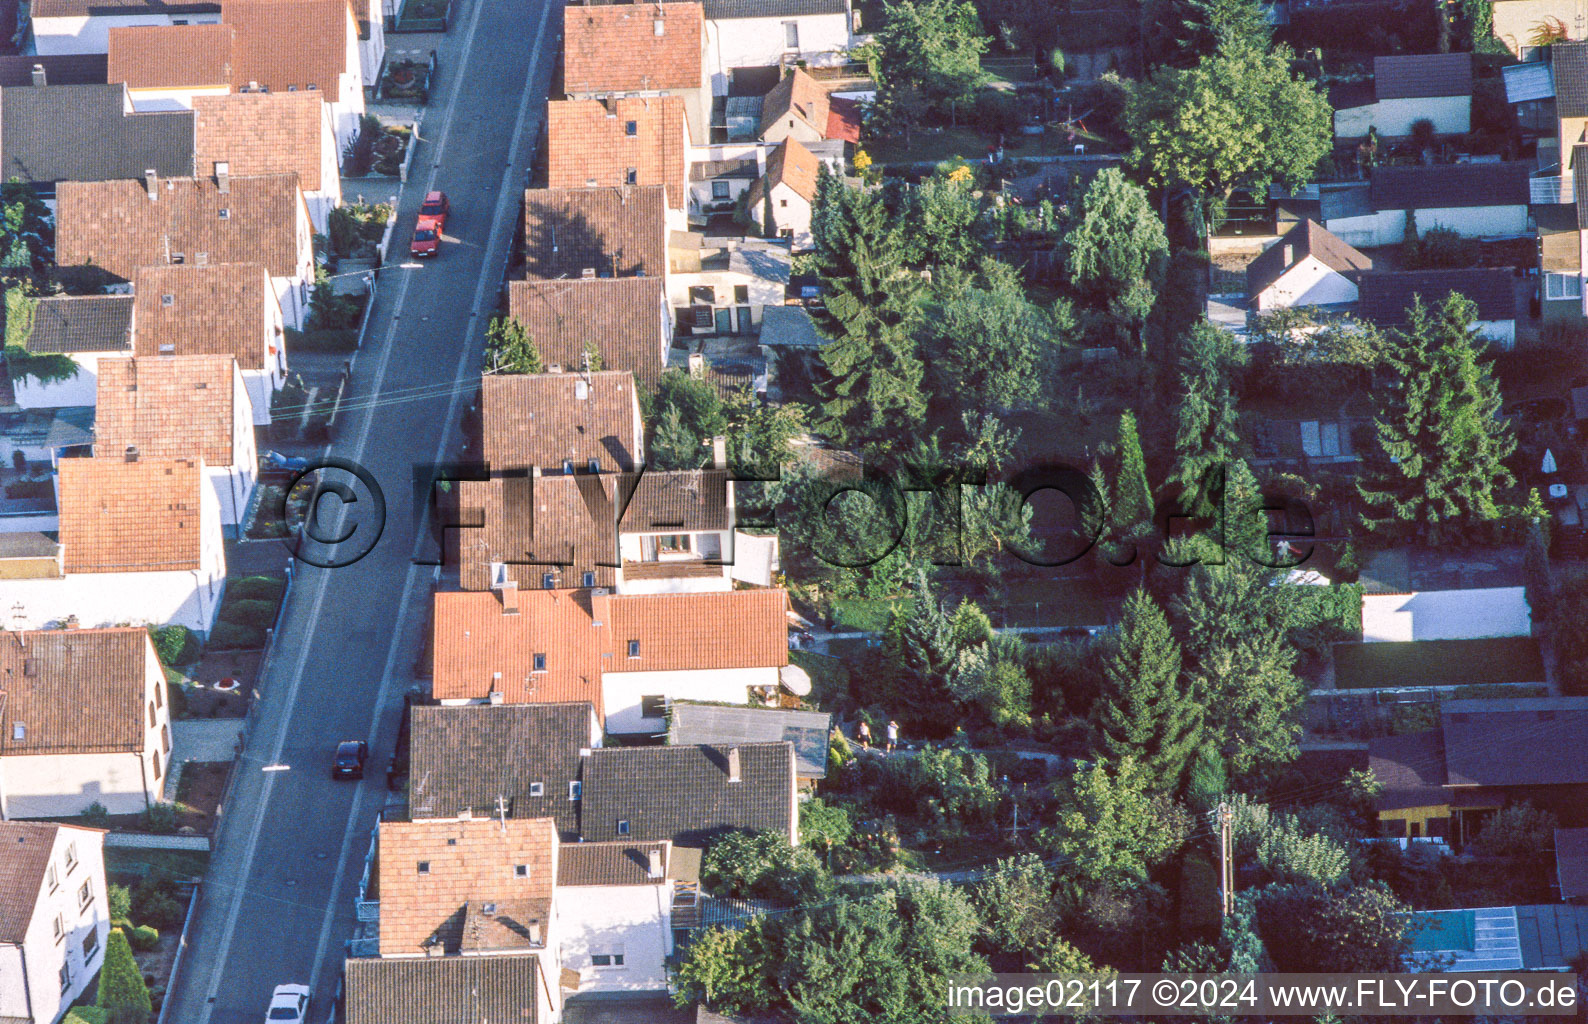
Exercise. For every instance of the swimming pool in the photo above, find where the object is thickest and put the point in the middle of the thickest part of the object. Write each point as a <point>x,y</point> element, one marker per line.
<point>1436,930</point>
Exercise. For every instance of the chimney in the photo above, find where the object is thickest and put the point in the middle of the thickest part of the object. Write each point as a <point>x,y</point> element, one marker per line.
<point>719,452</point>
<point>131,454</point>
<point>495,695</point>
<point>151,182</point>
<point>38,75</point>
<point>1289,254</point>
<point>534,933</point>
<point>659,26</point>
<point>697,364</point>
<point>534,471</point>
<point>223,176</point>
<point>509,589</point>
<point>656,864</point>
<point>733,764</point>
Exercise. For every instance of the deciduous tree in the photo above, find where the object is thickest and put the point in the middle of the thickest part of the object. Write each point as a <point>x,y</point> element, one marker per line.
<point>932,48</point>
<point>1111,826</point>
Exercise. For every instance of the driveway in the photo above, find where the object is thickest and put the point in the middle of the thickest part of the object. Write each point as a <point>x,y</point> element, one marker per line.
<point>277,904</point>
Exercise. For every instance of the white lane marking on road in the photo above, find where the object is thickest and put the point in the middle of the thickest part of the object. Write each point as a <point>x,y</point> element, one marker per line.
<point>499,223</point>
<point>239,891</point>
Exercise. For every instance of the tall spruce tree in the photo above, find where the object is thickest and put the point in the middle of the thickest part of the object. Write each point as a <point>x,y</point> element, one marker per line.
<point>1207,427</point>
<point>920,648</point>
<point>1146,711</point>
<point>1441,445</point>
<point>1130,511</point>
<point>871,311</point>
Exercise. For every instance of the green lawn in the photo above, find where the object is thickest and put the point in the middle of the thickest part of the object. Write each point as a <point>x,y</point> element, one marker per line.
<point>866,615</point>
<point>126,866</point>
<point>1510,659</point>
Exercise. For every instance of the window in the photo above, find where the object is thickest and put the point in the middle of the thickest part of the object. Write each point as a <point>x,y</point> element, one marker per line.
<point>54,878</point>
<point>631,177</point>
<point>741,293</point>
<point>720,190</point>
<point>613,958</point>
<point>575,789</point>
<point>71,857</point>
<point>521,870</point>
<point>58,927</point>
<point>783,203</point>
<point>19,731</point>
<point>151,714</point>
<point>165,738</point>
<point>623,827</point>
<point>537,789</point>
<point>791,35</point>
<point>159,696</point>
<point>177,257</point>
<point>66,977</point>
<point>90,944</point>
<point>589,579</point>
<point>1562,286</point>
<point>653,707</point>
<point>424,867</point>
<point>85,893</point>
<point>673,543</point>
<point>548,581</point>
<point>224,213</point>
<point>634,648</point>
<point>156,760</point>
<point>631,128</point>
<point>540,663</point>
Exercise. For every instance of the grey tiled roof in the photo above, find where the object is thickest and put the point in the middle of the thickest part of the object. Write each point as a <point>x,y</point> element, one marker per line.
<point>725,725</point>
<point>463,758</point>
<point>1450,185</point>
<point>81,323</point>
<point>678,500</point>
<point>1412,76</point>
<point>1385,297</point>
<point>610,863</point>
<point>59,68</point>
<point>1570,63</point>
<point>683,793</point>
<point>442,990</point>
<point>80,133</point>
<point>772,8</point>
<point>1539,741</point>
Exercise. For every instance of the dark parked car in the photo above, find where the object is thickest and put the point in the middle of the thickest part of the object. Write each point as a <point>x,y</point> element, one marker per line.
<point>350,758</point>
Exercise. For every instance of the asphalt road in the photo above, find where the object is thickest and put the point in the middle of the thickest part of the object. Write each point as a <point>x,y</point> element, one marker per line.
<point>277,904</point>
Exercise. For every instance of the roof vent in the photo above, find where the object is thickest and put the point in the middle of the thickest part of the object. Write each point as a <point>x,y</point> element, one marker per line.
<point>587,273</point>
<point>223,176</point>
<point>38,75</point>
<point>581,389</point>
<point>655,870</point>
<point>488,909</point>
<point>659,27</point>
<point>496,696</point>
<point>734,774</point>
<point>168,300</point>
<point>168,350</point>
<point>151,183</point>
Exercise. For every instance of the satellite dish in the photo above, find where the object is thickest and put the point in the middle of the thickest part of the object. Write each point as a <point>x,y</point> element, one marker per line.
<point>1549,462</point>
<point>795,680</point>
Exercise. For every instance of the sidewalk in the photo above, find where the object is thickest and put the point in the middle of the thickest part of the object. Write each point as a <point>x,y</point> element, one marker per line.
<point>206,740</point>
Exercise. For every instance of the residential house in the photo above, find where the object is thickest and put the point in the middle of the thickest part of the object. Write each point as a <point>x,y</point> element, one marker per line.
<point>1308,266</point>
<point>626,140</point>
<point>167,407</point>
<point>1433,87</point>
<point>85,329</point>
<point>726,288</point>
<point>140,541</point>
<point>627,655</point>
<point>799,108</point>
<point>715,186</point>
<point>784,194</point>
<point>615,905</point>
<point>690,723</point>
<point>253,133</point>
<point>83,26</point>
<point>648,50</point>
<point>54,918</point>
<point>522,760</point>
<point>689,795</point>
<point>1568,63</point>
<point>1387,298</point>
<point>56,69</point>
<point>449,989</point>
<point>609,231</point>
<point>84,721</point>
<point>167,67</point>
<point>773,33</point>
<point>1475,200</point>
<point>230,309</point>
<point>1517,23</point>
<point>563,421</point>
<point>121,227</point>
<point>1446,614</point>
<point>625,321</point>
<point>1483,755</point>
<point>1561,239</point>
<point>87,133</point>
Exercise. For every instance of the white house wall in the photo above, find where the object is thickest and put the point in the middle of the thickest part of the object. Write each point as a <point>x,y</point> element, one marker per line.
<point>759,42</point>
<point>92,34</point>
<point>1499,333</point>
<point>1451,115</point>
<point>80,390</point>
<point>632,919</point>
<point>42,954</point>
<point>1446,615</point>
<point>1308,283</point>
<point>1475,221</point>
<point>13,984</point>
<point>792,212</point>
<point>58,785</point>
<point>1386,227</point>
<point>234,484</point>
<point>146,101</point>
<point>621,692</point>
<point>187,597</point>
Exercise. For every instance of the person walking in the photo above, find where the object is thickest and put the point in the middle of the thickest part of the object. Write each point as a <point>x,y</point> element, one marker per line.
<point>863,734</point>
<point>893,734</point>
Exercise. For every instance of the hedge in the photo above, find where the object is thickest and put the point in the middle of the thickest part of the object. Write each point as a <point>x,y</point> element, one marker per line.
<point>86,1015</point>
<point>257,588</point>
<point>175,644</point>
<point>121,988</point>
<point>249,612</point>
<point>229,636</point>
<point>334,340</point>
<point>144,938</point>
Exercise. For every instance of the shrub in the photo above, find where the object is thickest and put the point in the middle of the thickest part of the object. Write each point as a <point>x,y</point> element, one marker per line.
<point>95,815</point>
<point>175,644</point>
<point>1440,247</point>
<point>86,1015</point>
<point>229,636</point>
<point>160,818</point>
<point>154,903</point>
<point>996,112</point>
<point>120,899</point>
<point>250,612</point>
<point>144,938</point>
<point>261,588</point>
<point>122,991</point>
<point>759,865</point>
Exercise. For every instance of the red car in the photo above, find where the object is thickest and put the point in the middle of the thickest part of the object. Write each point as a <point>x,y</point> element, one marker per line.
<point>433,211</point>
<point>427,241</point>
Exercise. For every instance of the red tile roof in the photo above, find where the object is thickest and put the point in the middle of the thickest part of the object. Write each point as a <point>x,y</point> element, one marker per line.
<point>588,144</point>
<point>219,309</point>
<point>168,407</point>
<point>172,56</point>
<point>622,318</point>
<point>613,232</point>
<point>790,164</point>
<point>141,516</point>
<point>632,48</point>
<point>262,133</point>
<point>699,632</point>
<point>74,691</point>
<point>287,43</point>
<point>541,419</point>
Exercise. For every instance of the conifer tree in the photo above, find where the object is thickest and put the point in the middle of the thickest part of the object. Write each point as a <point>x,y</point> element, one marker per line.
<point>1130,511</point>
<point>1207,432</point>
<point>871,311</point>
<point>919,647</point>
<point>1145,710</point>
<point>1441,445</point>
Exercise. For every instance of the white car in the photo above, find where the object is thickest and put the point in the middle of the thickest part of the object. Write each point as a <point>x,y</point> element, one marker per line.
<point>289,1004</point>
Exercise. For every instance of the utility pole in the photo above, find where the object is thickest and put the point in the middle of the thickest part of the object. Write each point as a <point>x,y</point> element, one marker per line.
<point>1226,868</point>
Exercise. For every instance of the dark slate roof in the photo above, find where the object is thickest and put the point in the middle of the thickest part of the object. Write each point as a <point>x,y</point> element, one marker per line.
<point>1570,63</point>
<point>1309,238</point>
<point>683,793</point>
<point>59,68</point>
<point>611,863</point>
<point>1426,74</point>
<point>1411,769</point>
<point>90,8</point>
<point>1579,180</point>
<point>1385,297</point>
<point>442,990</point>
<point>1571,862</point>
<point>772,8</point>
<point>80,133</point>
<point>81,323</point>
<point>725,725</point>
<point>1354,200</point>
<point>1536,741</point>
<point>463,758</point>
<point>1451,185</point>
